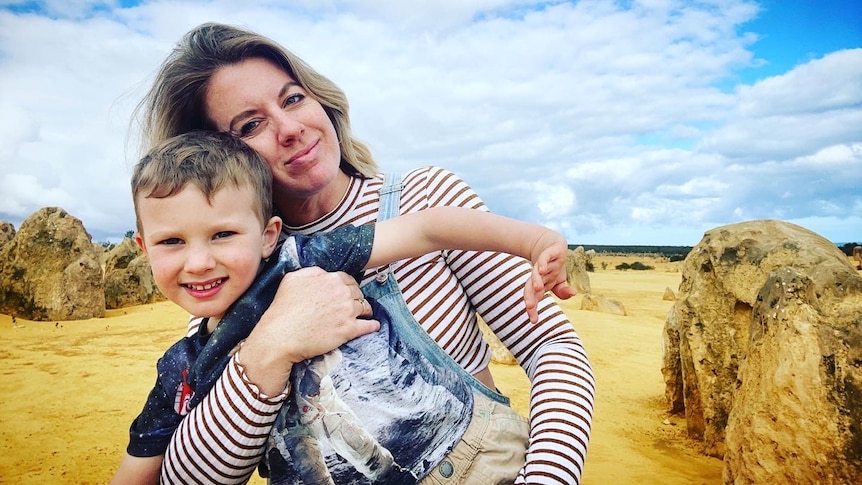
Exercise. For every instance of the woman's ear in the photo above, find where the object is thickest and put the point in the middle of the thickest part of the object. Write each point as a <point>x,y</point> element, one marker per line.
<point>270,236</point>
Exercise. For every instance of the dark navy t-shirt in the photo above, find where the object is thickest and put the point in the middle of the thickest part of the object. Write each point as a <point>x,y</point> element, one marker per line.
<point>373,411</point>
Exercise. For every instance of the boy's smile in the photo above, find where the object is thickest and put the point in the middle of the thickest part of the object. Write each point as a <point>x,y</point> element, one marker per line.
<point>204,253</point>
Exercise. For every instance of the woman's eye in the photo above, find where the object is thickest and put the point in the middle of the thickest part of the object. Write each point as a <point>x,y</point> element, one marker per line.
<point>293,99</point>
<point>248,128</point>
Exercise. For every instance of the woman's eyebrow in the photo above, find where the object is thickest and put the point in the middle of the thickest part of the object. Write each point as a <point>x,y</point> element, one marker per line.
<point>281,92</point>
<point>286,88</point>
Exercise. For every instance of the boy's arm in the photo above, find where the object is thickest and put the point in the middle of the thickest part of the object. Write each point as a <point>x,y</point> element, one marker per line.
<point>439,228</point>
<point>135,470</point>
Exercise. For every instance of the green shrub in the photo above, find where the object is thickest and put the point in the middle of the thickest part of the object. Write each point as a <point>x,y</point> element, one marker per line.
<point>637,265</point>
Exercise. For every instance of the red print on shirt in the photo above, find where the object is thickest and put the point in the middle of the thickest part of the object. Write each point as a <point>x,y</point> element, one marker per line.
<point>184,395</point>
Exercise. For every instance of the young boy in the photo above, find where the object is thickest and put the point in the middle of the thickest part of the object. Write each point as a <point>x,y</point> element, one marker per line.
<point>204,219</point>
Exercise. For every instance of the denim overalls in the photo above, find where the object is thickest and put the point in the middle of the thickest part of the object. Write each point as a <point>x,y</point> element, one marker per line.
<point>493,448</point>
<point>384,289</point>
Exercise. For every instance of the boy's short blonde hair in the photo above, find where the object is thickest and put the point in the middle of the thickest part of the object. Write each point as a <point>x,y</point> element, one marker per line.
<point>208,160</point>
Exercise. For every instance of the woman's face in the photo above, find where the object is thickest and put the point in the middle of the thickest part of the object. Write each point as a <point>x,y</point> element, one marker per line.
<point>257,101</point>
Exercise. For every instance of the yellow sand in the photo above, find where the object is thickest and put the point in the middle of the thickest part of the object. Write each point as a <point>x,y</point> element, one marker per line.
<point>69,390</point>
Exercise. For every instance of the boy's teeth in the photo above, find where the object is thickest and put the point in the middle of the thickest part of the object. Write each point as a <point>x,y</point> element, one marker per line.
<point>205,287</point>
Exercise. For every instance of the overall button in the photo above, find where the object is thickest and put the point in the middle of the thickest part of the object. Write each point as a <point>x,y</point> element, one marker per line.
<point>382,277</point>
<point>446,469</point>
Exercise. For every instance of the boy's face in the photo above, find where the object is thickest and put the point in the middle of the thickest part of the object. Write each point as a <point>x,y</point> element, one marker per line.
<point>205,254</point>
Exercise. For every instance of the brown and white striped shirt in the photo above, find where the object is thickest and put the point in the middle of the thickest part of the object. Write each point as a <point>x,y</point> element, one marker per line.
<point>222,439</point>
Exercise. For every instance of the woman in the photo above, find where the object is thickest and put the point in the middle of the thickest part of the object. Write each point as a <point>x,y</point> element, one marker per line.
<point>225,79</point>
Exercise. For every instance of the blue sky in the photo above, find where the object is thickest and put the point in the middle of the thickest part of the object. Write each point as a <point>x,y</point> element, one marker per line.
<point>793,32</point>
<point>631,122</point>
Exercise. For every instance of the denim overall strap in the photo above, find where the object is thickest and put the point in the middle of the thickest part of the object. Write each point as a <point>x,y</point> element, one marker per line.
<point>384,288</point>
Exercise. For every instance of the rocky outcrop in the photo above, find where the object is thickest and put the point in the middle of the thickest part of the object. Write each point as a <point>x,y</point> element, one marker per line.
<point>128,277</point>
<point>500,354</point>
<point>49,270</point>
<point>763,354</point>
<point>101,255</point>
<point>576,269</point>
<point>602,304</point>
<point>668,294</point>
<point>7,232</point>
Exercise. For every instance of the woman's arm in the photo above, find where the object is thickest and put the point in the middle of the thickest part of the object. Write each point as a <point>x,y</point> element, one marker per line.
<point>551,353</point>
<point>222,439</point>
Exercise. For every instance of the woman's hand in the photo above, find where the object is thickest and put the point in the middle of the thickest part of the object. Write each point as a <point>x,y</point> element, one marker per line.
<point>313,312</point>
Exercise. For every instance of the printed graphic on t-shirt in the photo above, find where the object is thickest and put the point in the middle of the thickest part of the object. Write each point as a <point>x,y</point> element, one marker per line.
<point>182,403</point>
<point>373,411</point>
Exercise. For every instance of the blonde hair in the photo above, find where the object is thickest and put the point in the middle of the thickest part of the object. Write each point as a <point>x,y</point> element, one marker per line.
<point>175,103</point>
<point>208,160</point>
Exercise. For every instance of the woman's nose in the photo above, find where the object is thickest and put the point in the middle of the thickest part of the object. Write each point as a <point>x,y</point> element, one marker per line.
<point>288,127</point>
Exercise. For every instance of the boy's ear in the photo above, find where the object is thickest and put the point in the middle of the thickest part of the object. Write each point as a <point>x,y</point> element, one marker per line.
<point>139,239</point>
<point>270,236</point>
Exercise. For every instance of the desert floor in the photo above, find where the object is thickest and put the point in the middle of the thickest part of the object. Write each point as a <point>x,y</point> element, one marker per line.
<point>69,390</point>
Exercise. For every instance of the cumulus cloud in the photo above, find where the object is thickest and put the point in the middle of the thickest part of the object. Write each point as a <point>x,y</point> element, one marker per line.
<point>615,122</point>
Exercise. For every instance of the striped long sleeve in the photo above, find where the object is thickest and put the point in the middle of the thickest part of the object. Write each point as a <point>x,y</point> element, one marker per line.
<point>222,439</point>
<point>491,284</point>
<point>445,291</point>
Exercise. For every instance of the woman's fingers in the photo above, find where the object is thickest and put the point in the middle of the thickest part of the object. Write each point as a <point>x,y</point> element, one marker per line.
<point>365,309</point>
<point>314,312</point>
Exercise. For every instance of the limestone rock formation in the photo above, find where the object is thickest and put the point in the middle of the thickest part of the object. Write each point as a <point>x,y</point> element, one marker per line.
<point>602,304</point>
<point>49,270</point>
<point>499,353</point>
<point>576,270</point>
<point>7,232</point>
<point>668,294</point>
<point>101,255</point>
<point>763,354</point>
<point>128,277</point>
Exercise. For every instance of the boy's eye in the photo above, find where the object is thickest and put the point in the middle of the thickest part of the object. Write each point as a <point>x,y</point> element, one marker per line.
<point>223,234</point>
<point>171,241</point>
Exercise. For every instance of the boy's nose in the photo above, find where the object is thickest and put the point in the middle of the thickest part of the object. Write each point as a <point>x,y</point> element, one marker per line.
<point>199,260</point>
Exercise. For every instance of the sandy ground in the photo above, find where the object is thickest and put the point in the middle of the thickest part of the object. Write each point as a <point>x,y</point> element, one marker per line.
<point>69,390</point>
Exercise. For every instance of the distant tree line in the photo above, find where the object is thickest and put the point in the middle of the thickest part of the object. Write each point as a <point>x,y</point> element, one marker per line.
<point>846,248</point>
<point>108,245</point>
<point>673,253</point>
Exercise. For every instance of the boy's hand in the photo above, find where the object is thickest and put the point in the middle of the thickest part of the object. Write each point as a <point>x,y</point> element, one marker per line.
<point>549,272</point>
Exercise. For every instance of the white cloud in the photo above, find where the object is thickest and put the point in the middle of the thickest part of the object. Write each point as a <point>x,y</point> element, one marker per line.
<point>837,157</point>
<point>820,85</point>
<point>600,120</point>
<point>21,192</point>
